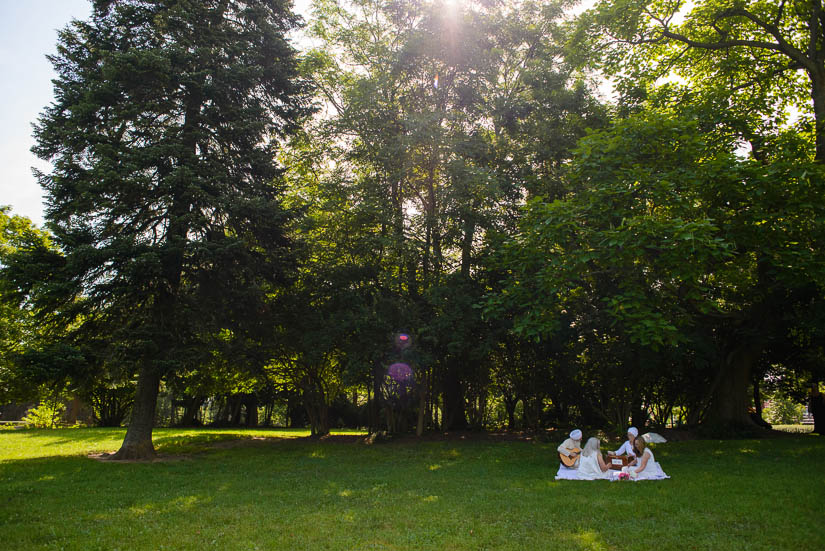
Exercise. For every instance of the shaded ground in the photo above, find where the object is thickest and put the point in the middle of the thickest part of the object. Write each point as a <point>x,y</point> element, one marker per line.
<point>158,458</point>
<point>544,436</point>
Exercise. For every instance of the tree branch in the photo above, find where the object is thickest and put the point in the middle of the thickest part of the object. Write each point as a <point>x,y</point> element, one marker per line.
<point>790,67</point>
<point>815,25</point>
<point>782,45</point>
<point>779,13</point>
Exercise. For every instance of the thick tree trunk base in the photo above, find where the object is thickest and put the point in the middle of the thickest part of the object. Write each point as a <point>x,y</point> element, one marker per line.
<point>137,445</point>
<point>728,414</point>
<point>143,451</point>
<point>731,429</point>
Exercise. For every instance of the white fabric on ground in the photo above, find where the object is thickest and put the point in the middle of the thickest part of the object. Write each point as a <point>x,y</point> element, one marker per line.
<point>567,473</point>
<point>653,471</point>
<point>654,437</point>
<point>573,474</point>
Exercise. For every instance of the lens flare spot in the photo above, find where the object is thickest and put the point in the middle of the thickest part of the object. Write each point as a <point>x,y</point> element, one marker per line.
<point>400,372</point>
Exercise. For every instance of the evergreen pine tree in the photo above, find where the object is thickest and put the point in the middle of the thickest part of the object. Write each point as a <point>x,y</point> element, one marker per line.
<point>164,195</point>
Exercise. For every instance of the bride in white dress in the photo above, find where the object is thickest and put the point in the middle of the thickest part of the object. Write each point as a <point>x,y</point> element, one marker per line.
<point>648,468</point>
<point>592,465</point>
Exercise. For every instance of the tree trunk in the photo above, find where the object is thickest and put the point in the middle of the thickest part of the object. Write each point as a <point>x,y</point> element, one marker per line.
<point>375,405</point>
<point>533,409</point>
<point>638,413</point>
<point>323,419</point>
<point>317,410</point>
<point>313,418</point>
<point>818,97</point>
<point>138,441</point>
<point>422,407</point>
<point>730,400</point>
<point>295,412</point>
<point>389,417</point>
<point>190,411</point>
<point>467,247</point>
<point>251,405</point>
<point>268,409</point>
<point>237,404</point>
<point>817,409</point>
<point>757,405</point>
<point>455,417</point>
<point>510,404</point>
<point>73,410</point>
<point>757,398</point>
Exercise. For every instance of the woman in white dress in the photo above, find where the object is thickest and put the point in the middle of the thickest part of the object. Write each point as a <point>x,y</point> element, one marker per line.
<point>591,464</point>
<point>647,468</point>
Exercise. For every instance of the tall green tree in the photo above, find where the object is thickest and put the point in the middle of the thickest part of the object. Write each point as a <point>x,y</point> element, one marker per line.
<point>443,116</point>
<point>18,329</point>
<point>679,246</point>
<point>164,197</point>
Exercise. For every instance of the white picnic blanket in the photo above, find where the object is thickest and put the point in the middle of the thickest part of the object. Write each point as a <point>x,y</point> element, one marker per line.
<point>566,473</point>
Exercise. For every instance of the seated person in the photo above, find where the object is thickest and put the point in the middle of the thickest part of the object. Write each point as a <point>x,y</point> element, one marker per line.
<point>627,448</point>
<point>648,468</point>
<point>592,465</point>
<point>570,448</point>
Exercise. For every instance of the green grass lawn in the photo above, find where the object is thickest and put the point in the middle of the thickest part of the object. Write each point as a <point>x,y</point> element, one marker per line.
<point>275,490</point>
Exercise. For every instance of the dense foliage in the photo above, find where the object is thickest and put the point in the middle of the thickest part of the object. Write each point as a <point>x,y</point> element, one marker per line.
<point>463,236</point>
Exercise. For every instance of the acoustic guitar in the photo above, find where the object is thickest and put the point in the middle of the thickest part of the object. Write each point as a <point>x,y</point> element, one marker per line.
<point>569,461</point>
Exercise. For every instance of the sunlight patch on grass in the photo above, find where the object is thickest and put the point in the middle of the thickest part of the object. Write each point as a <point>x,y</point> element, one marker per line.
<point>188,503</point>
<point>434,467</point>
<point>590,540</point>
<point>140,510</point>
<point>794,428</point>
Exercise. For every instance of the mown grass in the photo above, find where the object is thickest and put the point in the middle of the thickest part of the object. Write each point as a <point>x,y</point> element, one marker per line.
<point>801,429</point>
<point>280,491</point>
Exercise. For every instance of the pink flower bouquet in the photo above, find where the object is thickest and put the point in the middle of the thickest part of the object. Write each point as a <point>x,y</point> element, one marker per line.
<point>624,476</point>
